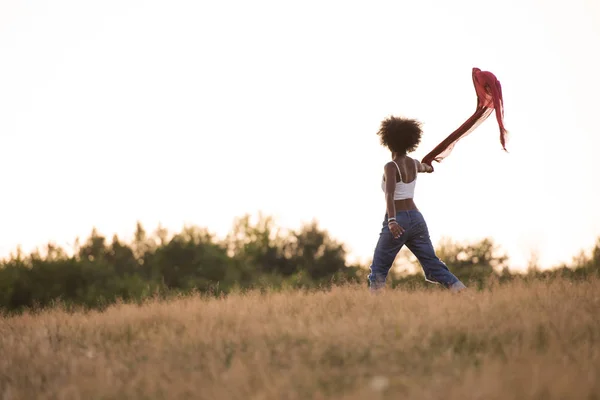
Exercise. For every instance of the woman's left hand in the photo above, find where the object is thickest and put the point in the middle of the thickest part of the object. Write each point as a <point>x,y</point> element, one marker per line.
<point>396,229</point>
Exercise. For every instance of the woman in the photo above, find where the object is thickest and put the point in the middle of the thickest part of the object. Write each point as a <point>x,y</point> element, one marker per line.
<point>404,223</point>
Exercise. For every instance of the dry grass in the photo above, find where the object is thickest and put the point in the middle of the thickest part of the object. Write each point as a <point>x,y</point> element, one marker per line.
<point>519,341</point>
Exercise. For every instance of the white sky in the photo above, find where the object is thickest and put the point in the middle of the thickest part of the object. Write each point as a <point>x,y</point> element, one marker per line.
<point>197,112</point>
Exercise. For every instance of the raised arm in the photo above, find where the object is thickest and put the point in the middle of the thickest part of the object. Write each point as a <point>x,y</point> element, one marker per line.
<point>423,167</point>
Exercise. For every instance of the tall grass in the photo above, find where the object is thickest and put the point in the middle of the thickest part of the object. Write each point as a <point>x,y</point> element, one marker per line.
<point>536,340</point>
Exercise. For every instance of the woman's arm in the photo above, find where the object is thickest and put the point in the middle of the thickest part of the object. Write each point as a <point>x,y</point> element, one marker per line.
<point>423,167</point>
<point>390,187</point>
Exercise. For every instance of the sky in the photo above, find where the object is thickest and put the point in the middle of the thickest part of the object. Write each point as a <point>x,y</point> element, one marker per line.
<point>198,112</point>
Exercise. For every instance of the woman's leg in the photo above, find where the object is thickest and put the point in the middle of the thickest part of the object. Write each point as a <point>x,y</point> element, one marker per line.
<point>385,253</point>
<point>435,269</point>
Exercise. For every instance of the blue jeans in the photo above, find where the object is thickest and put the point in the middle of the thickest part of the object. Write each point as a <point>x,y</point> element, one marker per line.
<point>416,238</point>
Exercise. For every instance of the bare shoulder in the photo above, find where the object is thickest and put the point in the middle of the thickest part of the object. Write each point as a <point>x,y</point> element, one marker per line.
<point>390,167</point>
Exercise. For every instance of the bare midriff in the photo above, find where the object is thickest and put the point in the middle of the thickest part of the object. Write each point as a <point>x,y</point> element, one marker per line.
<point>405,205</point>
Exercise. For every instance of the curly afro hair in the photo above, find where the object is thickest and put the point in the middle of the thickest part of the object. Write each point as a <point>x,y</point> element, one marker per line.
<point>400,135</point>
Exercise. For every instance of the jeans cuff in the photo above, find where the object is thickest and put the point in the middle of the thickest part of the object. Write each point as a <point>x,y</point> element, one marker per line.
<point>457,286</point>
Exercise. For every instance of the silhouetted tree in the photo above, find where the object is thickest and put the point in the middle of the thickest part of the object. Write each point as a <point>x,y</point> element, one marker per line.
<point>312,250</point>
<point>255,254</point>
<point>472,261</point>
<point>259,247</point>
<point>191,260</point>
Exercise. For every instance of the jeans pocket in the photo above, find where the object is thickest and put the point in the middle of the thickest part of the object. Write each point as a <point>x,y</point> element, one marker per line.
<point>420,230</point>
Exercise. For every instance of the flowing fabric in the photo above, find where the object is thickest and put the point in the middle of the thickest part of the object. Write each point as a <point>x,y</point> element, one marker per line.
<point>489,98</point>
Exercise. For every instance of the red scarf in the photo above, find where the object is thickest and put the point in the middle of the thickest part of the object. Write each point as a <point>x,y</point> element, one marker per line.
<point>489,97</point>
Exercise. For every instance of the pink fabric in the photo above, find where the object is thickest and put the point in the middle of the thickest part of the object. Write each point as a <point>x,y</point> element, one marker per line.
<point>489,98</point>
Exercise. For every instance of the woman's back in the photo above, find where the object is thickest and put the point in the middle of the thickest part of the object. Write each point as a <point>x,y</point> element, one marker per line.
<point>406,178</point>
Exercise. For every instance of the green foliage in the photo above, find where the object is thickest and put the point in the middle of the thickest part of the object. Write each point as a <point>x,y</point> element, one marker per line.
<point>254,255</point>
<point>100,273</point>
<point>473,263</point>
<point>582,267</point>
<point>481,264</point>
<point>316,254</point>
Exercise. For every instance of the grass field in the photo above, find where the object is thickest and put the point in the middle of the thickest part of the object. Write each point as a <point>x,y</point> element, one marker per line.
<point>519,341</point>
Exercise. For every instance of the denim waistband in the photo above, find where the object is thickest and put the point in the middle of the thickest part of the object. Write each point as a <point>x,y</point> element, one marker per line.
<point>407,217</point>
<point>405,212</point>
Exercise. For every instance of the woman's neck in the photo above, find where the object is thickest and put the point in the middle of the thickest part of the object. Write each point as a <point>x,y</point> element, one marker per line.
<point>398,155</point>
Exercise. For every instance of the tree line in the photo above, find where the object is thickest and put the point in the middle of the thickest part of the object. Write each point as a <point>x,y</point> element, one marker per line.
<point>254,255</point>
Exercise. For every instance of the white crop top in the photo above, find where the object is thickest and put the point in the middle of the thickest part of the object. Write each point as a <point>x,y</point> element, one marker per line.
<point>403,190</point>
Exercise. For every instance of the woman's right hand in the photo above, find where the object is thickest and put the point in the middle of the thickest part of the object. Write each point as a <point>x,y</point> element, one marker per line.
<point>396,229</point>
